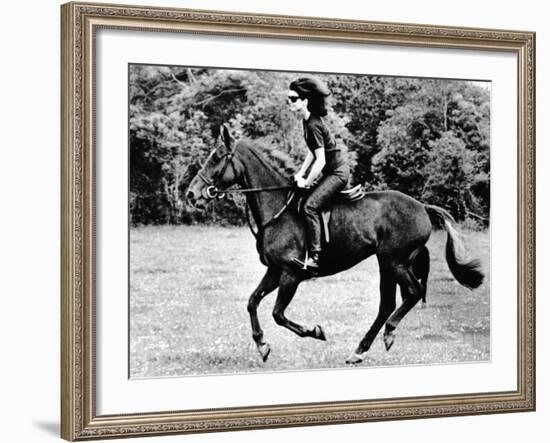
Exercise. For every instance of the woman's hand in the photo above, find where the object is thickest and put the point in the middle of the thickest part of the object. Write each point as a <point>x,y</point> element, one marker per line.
<point>300,181</point>
<point>315,170</point>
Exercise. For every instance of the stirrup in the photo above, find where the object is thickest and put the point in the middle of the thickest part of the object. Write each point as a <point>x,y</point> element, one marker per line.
<point>302,264</point>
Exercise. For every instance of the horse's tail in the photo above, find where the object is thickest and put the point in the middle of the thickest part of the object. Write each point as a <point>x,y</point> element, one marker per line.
<point>466,272</point>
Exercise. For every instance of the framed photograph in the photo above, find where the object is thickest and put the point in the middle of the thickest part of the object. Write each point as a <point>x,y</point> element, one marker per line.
<point>277,221</point>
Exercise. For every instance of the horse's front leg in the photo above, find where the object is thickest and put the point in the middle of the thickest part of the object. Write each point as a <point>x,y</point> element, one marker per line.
<point>287,288</point>
<point>269,283</point>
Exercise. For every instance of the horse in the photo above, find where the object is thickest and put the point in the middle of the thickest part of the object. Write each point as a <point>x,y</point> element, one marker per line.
<point>388,224</point>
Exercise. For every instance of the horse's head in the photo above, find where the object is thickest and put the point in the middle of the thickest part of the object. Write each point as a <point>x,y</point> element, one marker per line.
<point>218,172</point>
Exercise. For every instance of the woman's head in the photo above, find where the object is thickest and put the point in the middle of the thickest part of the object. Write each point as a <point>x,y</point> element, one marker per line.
<point>312,90</point>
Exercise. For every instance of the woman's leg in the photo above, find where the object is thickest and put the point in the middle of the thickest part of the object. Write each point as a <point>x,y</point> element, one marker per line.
<point>319,199</point>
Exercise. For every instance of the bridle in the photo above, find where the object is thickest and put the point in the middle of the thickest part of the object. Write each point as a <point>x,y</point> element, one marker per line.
<point>212,190</point>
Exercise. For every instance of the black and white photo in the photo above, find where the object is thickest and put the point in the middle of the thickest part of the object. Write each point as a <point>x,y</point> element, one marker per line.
<point>296,221</point>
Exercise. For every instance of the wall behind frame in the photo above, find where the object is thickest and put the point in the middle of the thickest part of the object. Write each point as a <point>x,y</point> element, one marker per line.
<point>29,224</point>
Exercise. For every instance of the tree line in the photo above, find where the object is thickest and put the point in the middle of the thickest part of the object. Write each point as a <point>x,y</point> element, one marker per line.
<point>428,138</point>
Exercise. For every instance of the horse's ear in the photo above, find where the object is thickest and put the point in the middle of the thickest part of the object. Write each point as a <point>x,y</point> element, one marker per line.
<point>225,136</point>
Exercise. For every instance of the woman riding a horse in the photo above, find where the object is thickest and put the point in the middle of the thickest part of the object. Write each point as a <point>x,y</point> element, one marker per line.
<point>388,224</point>
<point>325,166</point>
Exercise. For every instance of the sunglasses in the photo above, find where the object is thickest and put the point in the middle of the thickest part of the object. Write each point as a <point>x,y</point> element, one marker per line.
<point>293,98</point>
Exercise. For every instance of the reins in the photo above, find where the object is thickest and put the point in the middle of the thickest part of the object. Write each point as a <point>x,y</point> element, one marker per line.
<point>289,198</point>
<point>213,192</point>
<point>249,190</point>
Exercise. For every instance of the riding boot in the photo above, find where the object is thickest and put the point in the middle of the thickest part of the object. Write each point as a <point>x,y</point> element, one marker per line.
<point>313,260</point>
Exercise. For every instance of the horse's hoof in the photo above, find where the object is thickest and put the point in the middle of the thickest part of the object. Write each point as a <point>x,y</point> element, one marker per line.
<point>355,358</point>
<point>423,305</point>
<point>264,350</point>
<point>318,333</point>
<point>389,338</point>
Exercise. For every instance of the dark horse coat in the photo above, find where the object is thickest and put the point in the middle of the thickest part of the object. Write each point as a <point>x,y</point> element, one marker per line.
<point>388,224</point>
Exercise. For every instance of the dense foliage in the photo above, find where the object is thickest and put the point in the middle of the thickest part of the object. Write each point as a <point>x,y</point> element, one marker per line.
<point>428,138</point>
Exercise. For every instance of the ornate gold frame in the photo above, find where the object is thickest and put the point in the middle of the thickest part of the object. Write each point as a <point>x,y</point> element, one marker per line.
<point>79,420</point>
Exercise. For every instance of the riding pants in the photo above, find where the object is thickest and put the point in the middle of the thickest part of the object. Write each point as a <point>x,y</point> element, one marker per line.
<point>324,192</point>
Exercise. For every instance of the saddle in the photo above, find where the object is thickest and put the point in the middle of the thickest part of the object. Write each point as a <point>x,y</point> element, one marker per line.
<point>345,196</point>
<point>351,195</point>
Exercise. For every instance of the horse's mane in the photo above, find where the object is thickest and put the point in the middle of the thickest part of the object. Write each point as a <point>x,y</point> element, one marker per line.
<point>265,149</point>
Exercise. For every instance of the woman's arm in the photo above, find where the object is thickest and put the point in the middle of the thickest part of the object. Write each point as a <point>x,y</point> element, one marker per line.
<point>317,167</point>
<point>307,161</point>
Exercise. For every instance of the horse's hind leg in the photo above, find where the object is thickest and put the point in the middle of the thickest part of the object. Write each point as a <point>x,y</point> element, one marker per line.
<point>269,283</point>
<point>421,270</point>
<point>287,288</point>
<point>387,305</point>
<point>412,292</point>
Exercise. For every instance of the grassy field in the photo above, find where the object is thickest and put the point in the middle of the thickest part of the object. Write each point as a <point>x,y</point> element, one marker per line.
<point>189,287</point>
